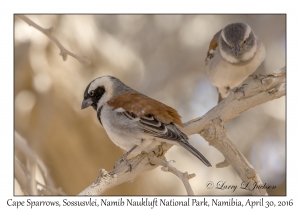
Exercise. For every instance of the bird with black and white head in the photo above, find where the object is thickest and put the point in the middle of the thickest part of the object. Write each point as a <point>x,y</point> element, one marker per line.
<point>133,121</point>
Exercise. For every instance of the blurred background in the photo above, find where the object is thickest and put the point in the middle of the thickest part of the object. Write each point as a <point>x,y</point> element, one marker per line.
<point>161,56</point>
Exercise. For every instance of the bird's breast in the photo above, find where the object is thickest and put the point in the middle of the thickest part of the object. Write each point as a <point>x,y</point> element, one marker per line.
<point>122,131</point>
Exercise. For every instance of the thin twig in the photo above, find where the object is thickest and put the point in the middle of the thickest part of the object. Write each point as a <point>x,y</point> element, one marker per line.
<point>26,176</point>
<point>167,167</point>
<point>51,190</point>
<point>21,176</point>
<point>49,33</point>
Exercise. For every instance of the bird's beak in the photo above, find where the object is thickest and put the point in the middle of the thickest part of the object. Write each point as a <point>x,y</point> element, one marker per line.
<point>86,103</point>
<point>236,50</point>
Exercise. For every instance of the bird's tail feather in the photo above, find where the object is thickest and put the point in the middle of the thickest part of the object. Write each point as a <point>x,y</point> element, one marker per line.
<point>186,145</point>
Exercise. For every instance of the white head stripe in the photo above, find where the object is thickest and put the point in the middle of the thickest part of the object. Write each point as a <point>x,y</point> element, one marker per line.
<point>223,36</point>
<point>247,32</point>
<point>101,81</point>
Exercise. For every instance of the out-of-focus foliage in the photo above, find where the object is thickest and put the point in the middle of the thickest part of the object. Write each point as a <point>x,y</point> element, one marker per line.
<point>161,56</point>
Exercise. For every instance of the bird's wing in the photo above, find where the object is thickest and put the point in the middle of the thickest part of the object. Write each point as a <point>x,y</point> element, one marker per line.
<point>150,125</point>
<point>212,47</point>
<point>154,117</point>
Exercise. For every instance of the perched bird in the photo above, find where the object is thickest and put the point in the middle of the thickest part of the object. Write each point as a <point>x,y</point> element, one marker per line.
<point>234,53</point>
<point>133,121</point>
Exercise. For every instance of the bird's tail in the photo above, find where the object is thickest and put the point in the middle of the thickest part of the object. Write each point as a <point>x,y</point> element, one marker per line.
<point>186,145</point>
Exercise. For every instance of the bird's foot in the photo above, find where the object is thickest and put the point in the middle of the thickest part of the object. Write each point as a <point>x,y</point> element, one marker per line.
<point>240,89</point>
<point>124,159</point>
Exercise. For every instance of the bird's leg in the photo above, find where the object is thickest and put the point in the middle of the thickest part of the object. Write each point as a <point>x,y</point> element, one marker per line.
<point>124,158</point>
<point>224,91</point>
<point>220,97</point>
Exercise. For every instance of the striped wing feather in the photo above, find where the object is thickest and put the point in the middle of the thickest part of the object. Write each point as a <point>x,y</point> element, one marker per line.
<point>142,105</point>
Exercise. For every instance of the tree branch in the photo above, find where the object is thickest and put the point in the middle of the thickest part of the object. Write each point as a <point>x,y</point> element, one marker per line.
<point>49,33</point>
<point>167,167</point>
<point>254,91</point>
<point>26,175</point>
<point>215,134</point>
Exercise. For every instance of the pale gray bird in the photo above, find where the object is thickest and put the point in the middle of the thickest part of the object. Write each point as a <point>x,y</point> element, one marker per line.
<point>234,53</point>
<point>133,121</point>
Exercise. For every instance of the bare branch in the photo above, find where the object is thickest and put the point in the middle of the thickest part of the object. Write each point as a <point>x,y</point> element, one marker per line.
<point>26,175</point>
<point>121,174</point>
<point>49,190</point>
<point>254,91</point>
<point>21,176</point>
<point>223,164</point>
<point>215,134</point>
<point>49,33</point>
<point>167,167</point>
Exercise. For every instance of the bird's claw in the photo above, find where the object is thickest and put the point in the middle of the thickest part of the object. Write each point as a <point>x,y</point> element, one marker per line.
<point>118,162</point>
<point>240,89</point>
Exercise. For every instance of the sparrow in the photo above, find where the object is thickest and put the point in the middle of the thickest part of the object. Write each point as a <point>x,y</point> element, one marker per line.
<point>133,121</point>
<point>234,53</point>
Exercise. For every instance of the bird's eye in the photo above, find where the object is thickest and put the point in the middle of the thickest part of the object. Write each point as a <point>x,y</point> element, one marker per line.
<point>91,93</point>
<point>245,41</point>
